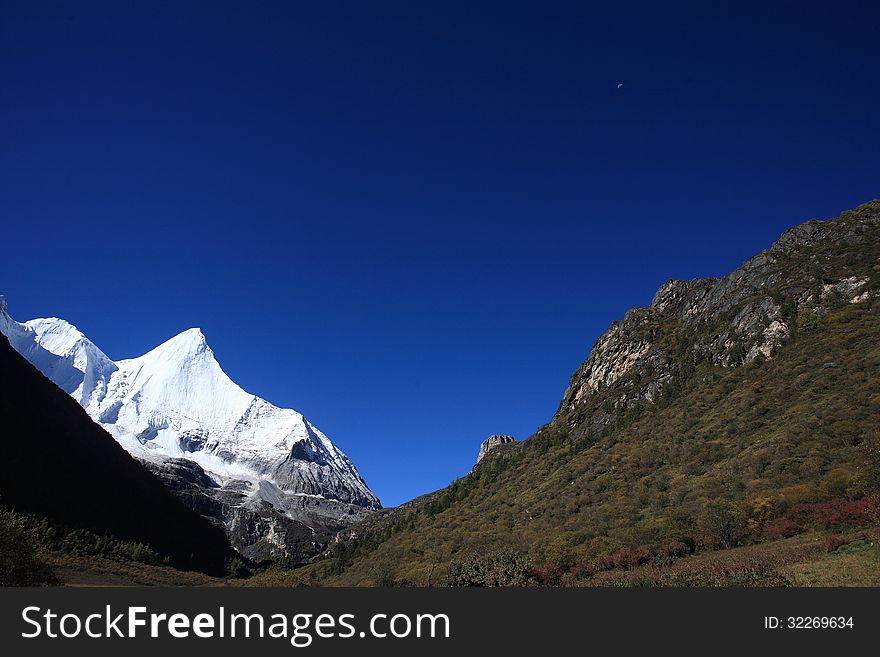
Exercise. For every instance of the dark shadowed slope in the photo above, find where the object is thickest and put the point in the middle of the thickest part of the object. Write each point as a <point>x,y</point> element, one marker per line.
<point>57,462</point>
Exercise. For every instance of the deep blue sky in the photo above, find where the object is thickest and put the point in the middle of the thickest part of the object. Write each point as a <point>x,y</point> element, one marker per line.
<point>410,221</point>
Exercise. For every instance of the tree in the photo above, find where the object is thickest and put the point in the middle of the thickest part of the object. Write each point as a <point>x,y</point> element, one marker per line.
<point>20,562</point>
<point>808,321</point>
<point>763,509</point>
<point>725,522</point>
<point>237,568</point>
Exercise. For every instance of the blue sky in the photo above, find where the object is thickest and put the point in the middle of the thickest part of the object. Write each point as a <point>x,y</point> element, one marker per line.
<point>410,221</point>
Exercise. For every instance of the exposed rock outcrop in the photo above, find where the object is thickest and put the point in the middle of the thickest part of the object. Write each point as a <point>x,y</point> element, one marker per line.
<point>735,320</point>
<point>259,526</point>
<point>492,443</point>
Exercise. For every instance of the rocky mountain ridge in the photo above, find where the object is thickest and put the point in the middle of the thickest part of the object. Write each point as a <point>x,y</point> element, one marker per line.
<point>727,321</point>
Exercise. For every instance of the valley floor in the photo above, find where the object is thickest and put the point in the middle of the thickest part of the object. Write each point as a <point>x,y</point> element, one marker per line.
<point>803,560</point>
<point>93,571</point>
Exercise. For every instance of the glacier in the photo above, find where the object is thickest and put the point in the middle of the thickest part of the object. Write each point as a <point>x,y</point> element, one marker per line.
<point>174,408</point>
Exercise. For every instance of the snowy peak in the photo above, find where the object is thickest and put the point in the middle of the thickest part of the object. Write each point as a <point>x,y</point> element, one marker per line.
<point>177,385</point>
<point>176,402</point>
<point>182,349</point>
<point>182,375</point>
<point>64,339</point>
<point>186,352</point>
<point>61,335</point>
<point>188,343</point>
<point>61,352</point>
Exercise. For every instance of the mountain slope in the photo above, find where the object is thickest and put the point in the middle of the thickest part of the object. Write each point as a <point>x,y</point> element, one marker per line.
<point>57,462</point>
<point>749,398</point>
<point>275,482</point>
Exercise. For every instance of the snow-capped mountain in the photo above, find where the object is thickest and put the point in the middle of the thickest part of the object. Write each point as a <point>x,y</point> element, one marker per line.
<point>175,403</point>
<point>62,353</point>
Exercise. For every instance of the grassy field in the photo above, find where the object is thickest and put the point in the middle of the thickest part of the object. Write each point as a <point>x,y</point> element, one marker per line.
<point>94,571</point>
<point>803,560</point>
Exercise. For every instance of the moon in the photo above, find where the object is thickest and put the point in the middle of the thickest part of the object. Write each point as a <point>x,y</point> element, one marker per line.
<point>619,85</point>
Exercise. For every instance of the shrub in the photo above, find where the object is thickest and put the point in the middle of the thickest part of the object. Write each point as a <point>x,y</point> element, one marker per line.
<point>670,552</point>
<point>870,471</point>
<point>724,522</point>
<point>382,575</point>
<point>834,542</point>
<point>582,571</point>
<point>237,568</point>
<point>20,560</point>
<point>836,514</point>
<point>85,543</point>
<point>762,510</point>
<point>807,321</point>
<point>782,528</point>
<point>548,574</point>
<point>497,568</point>
<point>624,558</point>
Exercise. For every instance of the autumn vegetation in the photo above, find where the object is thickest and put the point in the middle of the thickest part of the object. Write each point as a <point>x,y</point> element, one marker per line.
<point>742,456</point>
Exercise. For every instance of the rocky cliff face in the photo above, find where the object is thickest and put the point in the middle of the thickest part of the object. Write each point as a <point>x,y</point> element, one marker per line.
<point>492,443</point>
<point>730,321</point>
<point>266,525</point>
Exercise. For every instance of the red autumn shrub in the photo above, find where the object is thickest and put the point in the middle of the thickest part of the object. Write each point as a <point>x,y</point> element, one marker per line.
<point>675,550</point>
<point>836,514</point>
<point>782,528</point>
<point>834,542</point>
<point>630,558</point>
<point>547,574</point>
<point>803,513</point>
<point>861,511</point>
<point>582,571</point>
